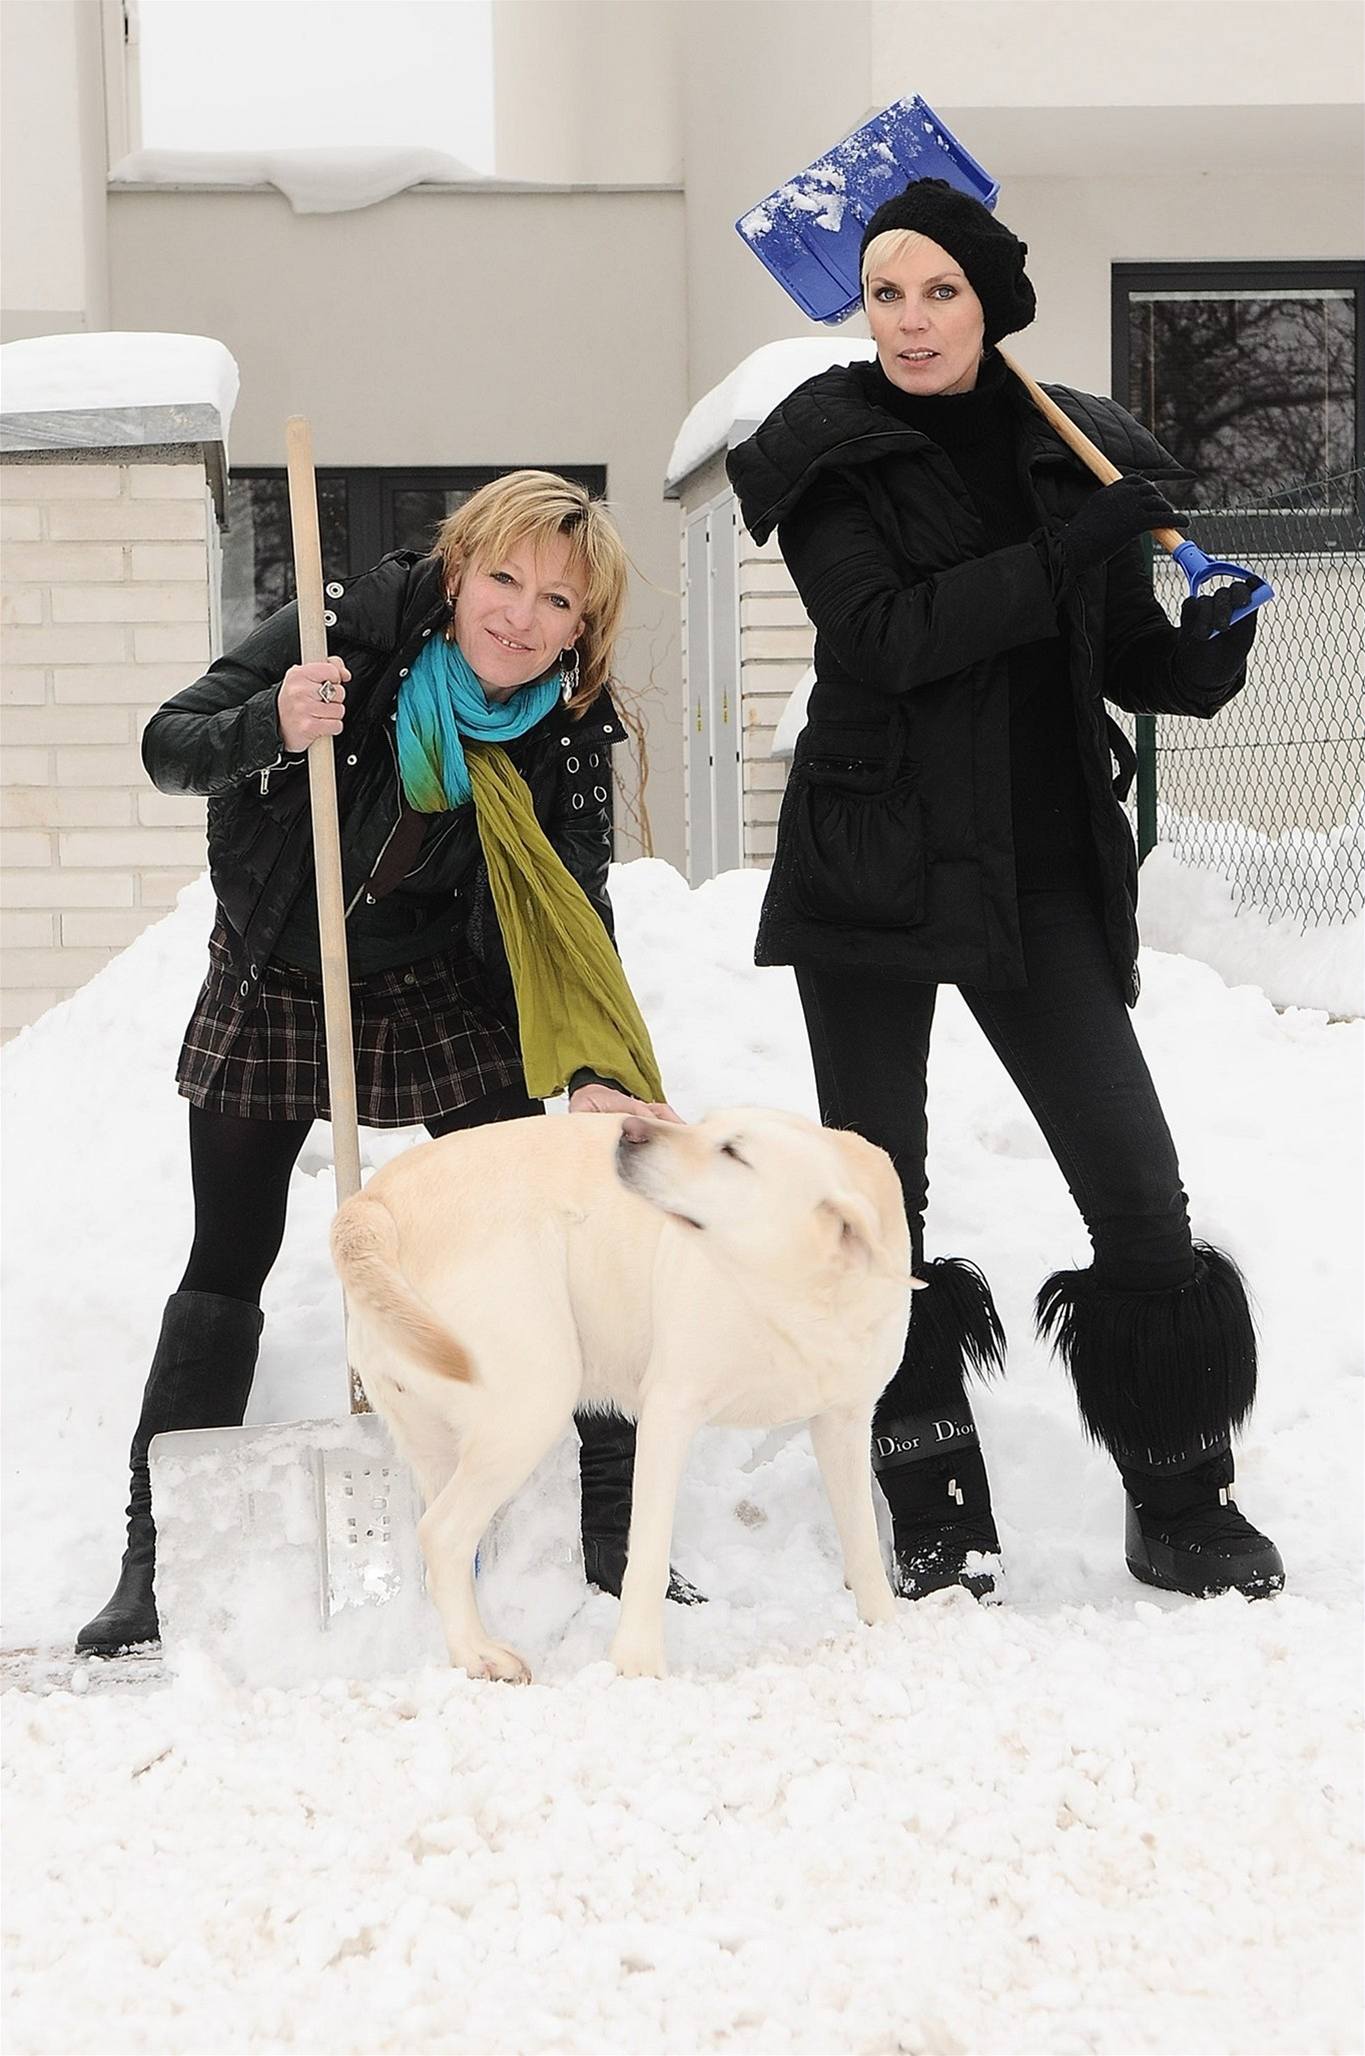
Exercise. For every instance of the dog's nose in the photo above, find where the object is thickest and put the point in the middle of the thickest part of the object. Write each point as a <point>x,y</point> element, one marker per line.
<point>636,1129</point>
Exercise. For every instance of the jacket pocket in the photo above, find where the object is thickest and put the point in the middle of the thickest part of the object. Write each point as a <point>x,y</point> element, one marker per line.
<point>857,844</point>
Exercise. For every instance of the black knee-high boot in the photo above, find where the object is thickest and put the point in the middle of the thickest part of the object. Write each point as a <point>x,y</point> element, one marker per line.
<point>1164,1378</point>
<point>200,1378</point>
<point>925,1450</point>
<point>606,1465</point>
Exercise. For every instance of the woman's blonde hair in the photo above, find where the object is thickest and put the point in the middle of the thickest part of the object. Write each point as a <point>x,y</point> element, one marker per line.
<point>887,248</point>
<point>535,507</point>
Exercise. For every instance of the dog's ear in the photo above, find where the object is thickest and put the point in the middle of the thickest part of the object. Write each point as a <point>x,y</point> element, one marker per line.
<point>857,1230</point>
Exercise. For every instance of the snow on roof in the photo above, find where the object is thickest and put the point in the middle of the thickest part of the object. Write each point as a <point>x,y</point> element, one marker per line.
<point>314,181</point>
<point>750,393</point>
<point>140,386</point>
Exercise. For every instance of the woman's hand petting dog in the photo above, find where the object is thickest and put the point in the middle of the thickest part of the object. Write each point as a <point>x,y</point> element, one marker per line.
<point>605,1099</point>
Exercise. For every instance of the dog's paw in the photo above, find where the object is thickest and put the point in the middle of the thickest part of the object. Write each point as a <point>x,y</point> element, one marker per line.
<point>876,1604</point>
<point>637,1659</point>
<point>492,1660</point>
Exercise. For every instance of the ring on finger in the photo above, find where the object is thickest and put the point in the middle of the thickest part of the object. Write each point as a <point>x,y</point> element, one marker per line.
<point>327,690</point>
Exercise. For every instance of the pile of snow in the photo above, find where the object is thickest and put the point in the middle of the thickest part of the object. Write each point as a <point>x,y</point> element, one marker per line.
<point>1192,908</point>
<point>1097,1819</point>
<point>731,410</point>
<point>119,368</point>
<point>317,180</point>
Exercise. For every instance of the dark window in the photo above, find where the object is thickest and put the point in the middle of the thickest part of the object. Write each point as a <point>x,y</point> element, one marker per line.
<point>1251,375</point>
<point>362,514</point>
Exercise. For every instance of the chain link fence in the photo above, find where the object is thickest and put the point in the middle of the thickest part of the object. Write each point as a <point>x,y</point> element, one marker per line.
<point>1271,793</point>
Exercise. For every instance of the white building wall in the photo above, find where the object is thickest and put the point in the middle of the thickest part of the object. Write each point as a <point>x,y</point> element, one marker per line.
<point>766,86</point>
<point>586,92</point>
<point>1106,54</point>
<point>53,165</point>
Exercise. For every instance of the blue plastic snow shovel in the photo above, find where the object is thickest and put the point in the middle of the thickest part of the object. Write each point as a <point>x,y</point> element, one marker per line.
<point>808,231</point>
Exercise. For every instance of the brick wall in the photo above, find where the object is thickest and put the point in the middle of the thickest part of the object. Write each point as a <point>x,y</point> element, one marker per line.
<point>776,641</point>
<point>109,604</point>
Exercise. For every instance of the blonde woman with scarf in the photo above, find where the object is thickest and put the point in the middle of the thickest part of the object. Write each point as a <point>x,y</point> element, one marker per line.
<point>468,696</point>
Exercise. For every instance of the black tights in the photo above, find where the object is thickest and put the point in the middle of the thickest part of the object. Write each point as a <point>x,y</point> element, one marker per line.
<point>1067,1041</point>
<point>241,1170</point>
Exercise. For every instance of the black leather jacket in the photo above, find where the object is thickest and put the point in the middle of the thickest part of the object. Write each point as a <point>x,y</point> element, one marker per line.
<point>220,737</point>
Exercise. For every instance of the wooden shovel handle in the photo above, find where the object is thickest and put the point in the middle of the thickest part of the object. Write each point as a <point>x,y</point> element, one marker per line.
<point>1076,439</point>
<point>322,793</point>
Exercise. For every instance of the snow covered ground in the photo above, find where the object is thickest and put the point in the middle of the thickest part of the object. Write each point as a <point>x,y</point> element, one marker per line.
<point>1095,1819</point>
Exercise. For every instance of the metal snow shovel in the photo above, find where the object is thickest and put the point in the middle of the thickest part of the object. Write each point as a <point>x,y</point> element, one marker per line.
<point>290,1552</point>
<point>808,231</point>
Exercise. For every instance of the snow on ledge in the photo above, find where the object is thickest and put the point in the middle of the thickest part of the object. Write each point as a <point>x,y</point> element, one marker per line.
<point>313,181</point>
<point>119,368</point>
<point>122,389</point>
<point>750,393</point>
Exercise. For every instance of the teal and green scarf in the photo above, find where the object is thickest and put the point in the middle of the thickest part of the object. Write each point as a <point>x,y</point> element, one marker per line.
<point>440,703</point>
<point>574,1007</point>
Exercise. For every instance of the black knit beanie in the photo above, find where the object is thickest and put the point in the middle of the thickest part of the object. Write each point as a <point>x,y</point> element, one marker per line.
<point>991,257</point>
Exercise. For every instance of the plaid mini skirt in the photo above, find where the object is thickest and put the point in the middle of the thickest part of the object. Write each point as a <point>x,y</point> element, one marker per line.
<point>426,1043</point>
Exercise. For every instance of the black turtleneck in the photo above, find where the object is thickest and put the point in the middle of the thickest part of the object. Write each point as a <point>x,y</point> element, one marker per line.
<point>978,433</point>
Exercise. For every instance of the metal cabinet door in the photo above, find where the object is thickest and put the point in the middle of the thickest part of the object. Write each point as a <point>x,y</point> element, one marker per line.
<point>727,730</point>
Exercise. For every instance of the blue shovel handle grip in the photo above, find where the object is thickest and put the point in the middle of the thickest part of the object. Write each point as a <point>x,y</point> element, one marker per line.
<point>1198,568</point>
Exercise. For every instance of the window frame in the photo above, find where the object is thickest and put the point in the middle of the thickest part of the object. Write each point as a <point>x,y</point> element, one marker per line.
<point>1268,276</point>
<point>371,490</point>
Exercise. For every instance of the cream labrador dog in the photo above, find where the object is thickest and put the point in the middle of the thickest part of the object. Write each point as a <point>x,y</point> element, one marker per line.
<point>751,1269</point>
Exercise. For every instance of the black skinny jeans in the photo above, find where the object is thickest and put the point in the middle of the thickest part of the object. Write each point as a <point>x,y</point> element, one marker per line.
<point>1066,1040</point>
<point>241,1170</point>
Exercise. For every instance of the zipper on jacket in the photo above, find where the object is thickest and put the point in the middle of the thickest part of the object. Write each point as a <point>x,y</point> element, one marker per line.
<point>354,901</point>
<point>436,840</point>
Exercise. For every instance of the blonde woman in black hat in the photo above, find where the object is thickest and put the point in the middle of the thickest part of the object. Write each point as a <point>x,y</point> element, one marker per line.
<point>468,694</point>
<point>954,817</point>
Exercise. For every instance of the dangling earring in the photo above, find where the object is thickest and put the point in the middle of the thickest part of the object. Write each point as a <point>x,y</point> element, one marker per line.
<point>568,673</point>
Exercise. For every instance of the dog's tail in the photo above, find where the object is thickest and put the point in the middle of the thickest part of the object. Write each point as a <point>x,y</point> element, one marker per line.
<point>365,1252</point>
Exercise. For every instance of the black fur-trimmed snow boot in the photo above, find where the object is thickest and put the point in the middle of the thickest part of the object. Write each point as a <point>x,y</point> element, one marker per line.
<point>606,1466</point>
<point>200,1377</point>
<point>1163,1378</point>
<point>1186,1534</point>
<point>925,1451</point>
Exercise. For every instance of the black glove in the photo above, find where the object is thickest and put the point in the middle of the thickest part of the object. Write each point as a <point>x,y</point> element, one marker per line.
<point>1209,653</point>
<point>1112,517</point>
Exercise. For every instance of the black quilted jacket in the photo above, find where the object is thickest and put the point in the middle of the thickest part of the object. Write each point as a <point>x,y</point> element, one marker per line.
<point>220,737</point>
<point>895,846</point>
